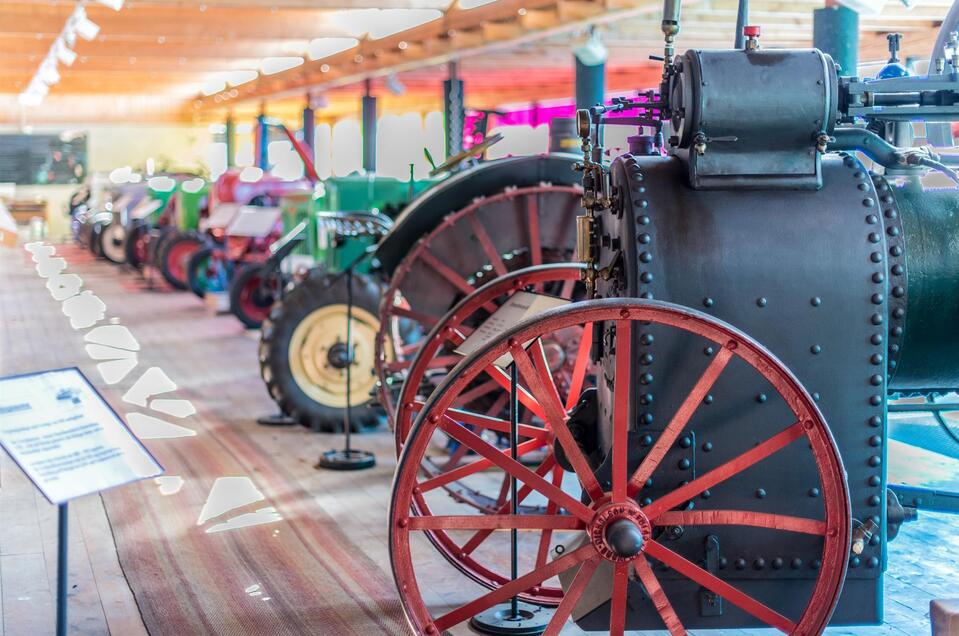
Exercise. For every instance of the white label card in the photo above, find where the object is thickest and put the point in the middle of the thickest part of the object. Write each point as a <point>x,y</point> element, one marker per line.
<point>517,308</point>
<point>66,438</point>
<point>254,221</point>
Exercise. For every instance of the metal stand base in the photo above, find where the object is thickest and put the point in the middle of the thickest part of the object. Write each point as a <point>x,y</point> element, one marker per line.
<point>348,459</point>
<point>530,620</point>
<point>279,419</point>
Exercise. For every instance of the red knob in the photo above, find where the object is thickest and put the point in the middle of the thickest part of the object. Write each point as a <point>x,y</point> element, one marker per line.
<point>752,31</point>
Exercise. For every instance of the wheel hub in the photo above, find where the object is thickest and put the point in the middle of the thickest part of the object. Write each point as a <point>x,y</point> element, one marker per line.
<point>338,356</point>
<point>620,532</point>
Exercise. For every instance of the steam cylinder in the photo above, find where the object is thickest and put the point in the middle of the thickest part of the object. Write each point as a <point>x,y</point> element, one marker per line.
<point>929,356</point>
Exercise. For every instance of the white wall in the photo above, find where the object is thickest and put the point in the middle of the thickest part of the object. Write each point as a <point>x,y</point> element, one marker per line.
<point>110,146</point>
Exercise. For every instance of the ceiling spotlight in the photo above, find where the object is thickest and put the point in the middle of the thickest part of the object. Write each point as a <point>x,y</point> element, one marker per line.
<point>37,87</point>
<point>69,34</point>
<point>64,54</point>
<point>116,5</point>
<point>85,27</point>
<point>48,73</point>
<point>271,65</point>
<point>394,85</point>
<point>592,52</point>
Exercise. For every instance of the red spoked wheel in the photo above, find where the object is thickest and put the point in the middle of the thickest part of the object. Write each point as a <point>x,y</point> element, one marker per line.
<point>592,514</point>
<point>489,238</point>
<point>567,353</point>
<point>487,398</point>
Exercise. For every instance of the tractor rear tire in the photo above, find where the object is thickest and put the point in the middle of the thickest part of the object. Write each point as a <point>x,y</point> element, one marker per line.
<point>300,347</point>
<point>249,301</point>
<point>95,233</point>
<point>137,249</point>
<point>173,256</point>
<point>113,238</point>
<point>196,271</point>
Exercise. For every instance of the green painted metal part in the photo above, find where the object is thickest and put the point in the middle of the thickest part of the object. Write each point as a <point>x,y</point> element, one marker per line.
<point>930,349</point>
<point>836,32</point>
<point>189,204</point>
<point>163,196</point>
<point>347,194</point>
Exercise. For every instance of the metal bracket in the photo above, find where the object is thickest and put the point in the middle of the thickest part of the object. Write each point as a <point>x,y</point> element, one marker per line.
<point>710,603</point>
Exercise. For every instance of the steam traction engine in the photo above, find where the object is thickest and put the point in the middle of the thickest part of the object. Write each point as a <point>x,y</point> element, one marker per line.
<point>713,455</point>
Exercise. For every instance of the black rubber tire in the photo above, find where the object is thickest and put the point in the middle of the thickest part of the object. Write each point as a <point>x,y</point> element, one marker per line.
<point>137,230</point>
<point>163,257</point>
<point>95,233</point>
<point>240,280</point>
<point>317,290</point>
<point>106,235</point>
<point>193,266</point>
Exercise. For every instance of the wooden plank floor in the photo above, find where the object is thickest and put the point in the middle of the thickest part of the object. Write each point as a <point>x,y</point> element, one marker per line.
<point>213,359</point>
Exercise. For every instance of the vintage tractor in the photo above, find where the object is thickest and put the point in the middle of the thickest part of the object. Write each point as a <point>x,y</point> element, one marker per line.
<point>153,218</point>
<point>706,447</point>
<point>182,239</point>
<point>311,238</point>
<point>479,223</point>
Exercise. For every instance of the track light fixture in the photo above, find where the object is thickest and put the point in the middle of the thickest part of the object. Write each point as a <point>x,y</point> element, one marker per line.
<point>85,27</point>
<point>61,51</point>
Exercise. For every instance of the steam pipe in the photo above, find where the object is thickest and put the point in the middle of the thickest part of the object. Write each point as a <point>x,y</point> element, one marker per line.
<point>742,19</point>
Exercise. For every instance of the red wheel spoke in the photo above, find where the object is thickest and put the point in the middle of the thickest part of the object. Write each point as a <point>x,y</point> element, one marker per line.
<point>741,518</point>
<point>679,421</point>
<point>617,604</point>
<point>522,473</point>
<point>658,597</point>
<point>576,588</point>
<point>412,347</point>
<point>517,586</point>
<point>475,466</point>
<point>732,467</point>
<point>551,508</point>
<point>452,277</point>
<point>580,366</point>
<point>541,385</point>
<point>440,362</point>
<point>488,248</point>
<point>548,464</point>
<point>623,388</point>
<point>525,397</point>
<point>397,365</point>
<point>446,272</point>
<point>498,405</point>
<point>542,552</point>
<point>404,312</point>
<point>455,457</point>
<point>741,600</point>
<point>476,392</point>
<point>496,522</point>
<point>566,291</point>
<point>504,491</point>
<point>496,424</point>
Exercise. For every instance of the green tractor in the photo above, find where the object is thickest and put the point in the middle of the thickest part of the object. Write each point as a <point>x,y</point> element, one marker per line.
<point>182,238</point>
<point>322,233</point>
<point>457,233</point>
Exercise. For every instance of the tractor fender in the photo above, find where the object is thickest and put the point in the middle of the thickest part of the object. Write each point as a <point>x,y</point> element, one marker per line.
<point>425,212</point>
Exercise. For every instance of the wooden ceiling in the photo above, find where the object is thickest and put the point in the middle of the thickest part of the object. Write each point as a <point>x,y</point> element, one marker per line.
<point>151,59</point>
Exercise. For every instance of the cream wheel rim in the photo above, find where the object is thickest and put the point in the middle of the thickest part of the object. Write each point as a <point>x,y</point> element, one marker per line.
<point>315,373</point>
